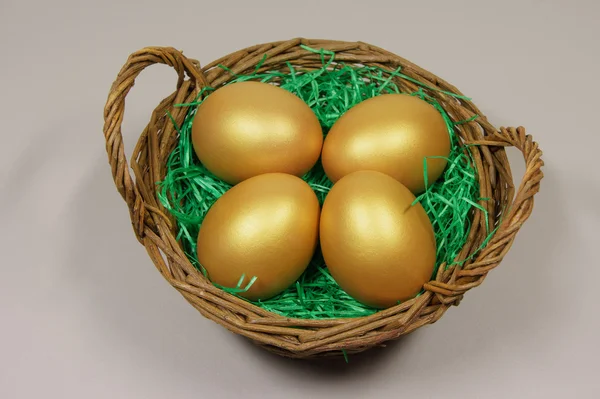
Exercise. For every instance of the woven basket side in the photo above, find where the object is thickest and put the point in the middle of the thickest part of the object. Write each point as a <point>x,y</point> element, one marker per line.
<point>155,228</point>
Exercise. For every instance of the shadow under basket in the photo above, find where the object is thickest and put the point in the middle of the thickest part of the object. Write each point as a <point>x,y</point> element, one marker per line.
<point>507,208</point>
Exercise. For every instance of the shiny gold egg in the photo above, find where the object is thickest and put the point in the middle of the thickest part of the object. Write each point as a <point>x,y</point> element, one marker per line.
<point>244,129</point>
<point>378,247</point>
<point>389,133</point>
<point>265,227</point>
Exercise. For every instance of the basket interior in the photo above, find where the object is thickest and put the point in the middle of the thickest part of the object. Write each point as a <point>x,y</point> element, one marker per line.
<point>461,205</point>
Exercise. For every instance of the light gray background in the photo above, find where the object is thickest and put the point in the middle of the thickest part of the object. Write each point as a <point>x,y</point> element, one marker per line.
<point>84,313</point>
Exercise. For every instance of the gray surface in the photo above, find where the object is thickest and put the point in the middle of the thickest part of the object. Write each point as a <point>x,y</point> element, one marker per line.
<point>85,313</point>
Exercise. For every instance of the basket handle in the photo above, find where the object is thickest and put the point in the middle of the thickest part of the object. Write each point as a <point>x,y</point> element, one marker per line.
<point>115,107</point>
<point>520,209</point>
<point>473,274</point>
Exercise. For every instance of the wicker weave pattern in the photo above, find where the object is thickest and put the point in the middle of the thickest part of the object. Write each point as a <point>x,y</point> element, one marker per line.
<point>154,228</point>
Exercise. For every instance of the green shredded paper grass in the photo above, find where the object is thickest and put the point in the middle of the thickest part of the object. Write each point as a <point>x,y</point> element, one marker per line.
<point>188,189</point>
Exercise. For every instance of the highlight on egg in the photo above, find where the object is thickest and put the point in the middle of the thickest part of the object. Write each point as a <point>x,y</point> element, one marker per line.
<point>265,227</point>
<point>378,247</point>
<point>392,134</point>
<point>248,128</point>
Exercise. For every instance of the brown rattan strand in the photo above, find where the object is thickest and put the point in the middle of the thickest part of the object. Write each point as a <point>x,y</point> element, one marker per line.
<point>155,228</point>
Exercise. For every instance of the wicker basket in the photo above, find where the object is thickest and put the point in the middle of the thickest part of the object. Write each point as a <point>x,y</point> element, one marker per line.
<point>154,228</point>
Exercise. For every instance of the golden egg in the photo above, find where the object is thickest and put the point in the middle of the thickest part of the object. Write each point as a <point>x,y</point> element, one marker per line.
<point>249,128</point>
<point>265,227</point>
<point>378,247</point>
<point>389,133</point>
